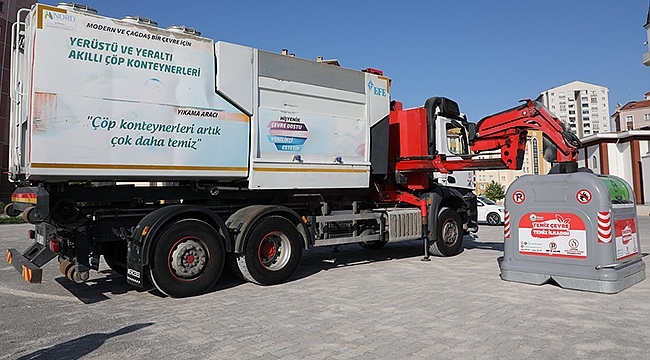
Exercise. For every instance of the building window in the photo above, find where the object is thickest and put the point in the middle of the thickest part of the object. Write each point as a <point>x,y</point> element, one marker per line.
<point>629,118</point>
<point>572,112</point>
<point>585,105</point>
<point>585,112</point>
<point>594,162</point>
<point>646,117</point>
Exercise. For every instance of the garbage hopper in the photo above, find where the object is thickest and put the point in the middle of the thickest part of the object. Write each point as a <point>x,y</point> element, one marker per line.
<point>579,230</point>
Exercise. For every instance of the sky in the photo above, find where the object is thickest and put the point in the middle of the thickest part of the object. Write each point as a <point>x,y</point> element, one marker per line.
<point>485,55</point>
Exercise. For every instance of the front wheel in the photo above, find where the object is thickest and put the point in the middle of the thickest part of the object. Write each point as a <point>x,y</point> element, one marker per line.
<point>188,259</point>
<point>272,252</point>
<point>450,234</point>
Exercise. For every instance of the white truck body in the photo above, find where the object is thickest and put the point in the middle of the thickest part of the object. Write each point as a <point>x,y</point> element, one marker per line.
<point>131,101</point>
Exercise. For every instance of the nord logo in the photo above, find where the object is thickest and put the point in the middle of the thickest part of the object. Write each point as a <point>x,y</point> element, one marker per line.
<point>58,16</point>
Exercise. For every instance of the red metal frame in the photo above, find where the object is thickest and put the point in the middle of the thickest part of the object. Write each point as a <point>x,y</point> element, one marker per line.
<point>506,131</point>
<point>411,163</point>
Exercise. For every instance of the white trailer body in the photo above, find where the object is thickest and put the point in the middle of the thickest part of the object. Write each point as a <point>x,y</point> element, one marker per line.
<point>130,101</point>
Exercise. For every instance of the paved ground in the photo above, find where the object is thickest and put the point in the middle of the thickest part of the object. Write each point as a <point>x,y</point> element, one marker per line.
<point>352,304</point>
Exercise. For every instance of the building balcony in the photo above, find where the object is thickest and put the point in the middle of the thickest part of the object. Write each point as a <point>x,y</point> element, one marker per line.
<point>646,59</point>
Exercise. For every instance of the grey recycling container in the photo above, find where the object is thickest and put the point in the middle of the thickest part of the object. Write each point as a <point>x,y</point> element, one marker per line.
<point>579,230</point>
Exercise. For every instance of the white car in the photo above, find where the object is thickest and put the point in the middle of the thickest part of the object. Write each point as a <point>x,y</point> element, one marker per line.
<point>489,211</point>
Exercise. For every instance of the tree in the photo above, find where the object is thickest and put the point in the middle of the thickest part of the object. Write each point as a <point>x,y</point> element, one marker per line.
<point>494,191</point>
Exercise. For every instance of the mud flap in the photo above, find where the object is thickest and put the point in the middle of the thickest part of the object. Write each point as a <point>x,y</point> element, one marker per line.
<point>135,271</point>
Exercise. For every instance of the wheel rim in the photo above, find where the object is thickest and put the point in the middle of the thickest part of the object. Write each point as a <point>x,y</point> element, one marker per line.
<point>449,232</point>
<point>493,219</point>
<point>274,251</point>
<point>188,258</point>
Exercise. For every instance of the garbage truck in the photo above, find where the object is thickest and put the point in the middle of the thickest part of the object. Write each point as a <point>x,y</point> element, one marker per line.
<point>173,156</point>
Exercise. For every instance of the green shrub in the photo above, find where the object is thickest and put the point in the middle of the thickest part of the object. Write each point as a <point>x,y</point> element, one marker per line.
<point>10,220</point>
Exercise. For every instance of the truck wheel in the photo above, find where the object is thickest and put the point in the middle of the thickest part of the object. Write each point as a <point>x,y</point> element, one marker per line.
<point>450,235</point>
<point>493,219</point>
<point>188,259</point>
<point>272,252</point>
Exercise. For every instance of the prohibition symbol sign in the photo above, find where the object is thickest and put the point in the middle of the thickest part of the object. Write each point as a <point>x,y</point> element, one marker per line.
<point>518,197</point>
<point>583,196</point>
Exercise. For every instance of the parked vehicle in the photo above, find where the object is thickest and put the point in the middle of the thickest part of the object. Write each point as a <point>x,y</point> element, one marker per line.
<point>170,154</point>
<point>489,212</point>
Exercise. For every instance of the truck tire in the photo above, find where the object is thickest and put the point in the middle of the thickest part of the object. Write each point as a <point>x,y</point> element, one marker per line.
<point>450,234</point>
<point>188,258</point>
<point>272,252</point>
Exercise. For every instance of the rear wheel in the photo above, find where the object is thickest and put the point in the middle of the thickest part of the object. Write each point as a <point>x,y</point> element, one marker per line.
<point>272,252</point>
<point>188,259</point>
<point>450,234</point>
<point>493,219</point>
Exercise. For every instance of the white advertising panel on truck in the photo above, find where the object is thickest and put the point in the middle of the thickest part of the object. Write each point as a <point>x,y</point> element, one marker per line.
<point>113,99</point>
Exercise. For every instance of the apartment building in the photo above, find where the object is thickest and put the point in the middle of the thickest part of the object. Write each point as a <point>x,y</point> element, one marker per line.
<point>583,107</point>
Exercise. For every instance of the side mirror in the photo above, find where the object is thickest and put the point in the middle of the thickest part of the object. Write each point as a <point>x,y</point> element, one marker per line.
<point>471,132</point>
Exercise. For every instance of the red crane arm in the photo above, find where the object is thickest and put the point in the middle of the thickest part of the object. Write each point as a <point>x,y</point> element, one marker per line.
<point>505,131</point>
<point>501,130</point>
